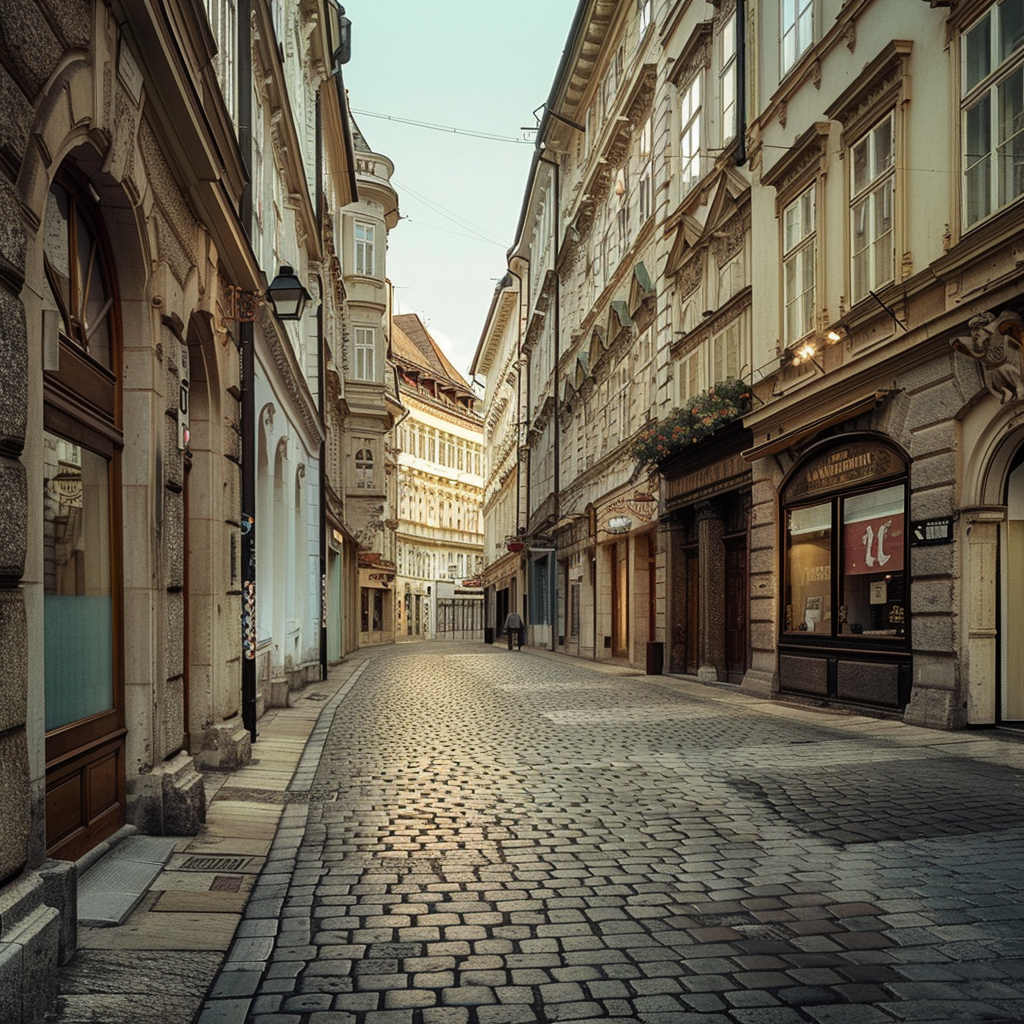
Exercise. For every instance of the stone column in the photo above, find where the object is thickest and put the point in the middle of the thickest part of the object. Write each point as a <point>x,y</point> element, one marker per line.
<point>981,569</point>
<point>711,548</point>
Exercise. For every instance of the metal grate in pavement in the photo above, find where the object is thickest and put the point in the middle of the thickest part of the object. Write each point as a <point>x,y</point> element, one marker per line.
<point>200,863</point>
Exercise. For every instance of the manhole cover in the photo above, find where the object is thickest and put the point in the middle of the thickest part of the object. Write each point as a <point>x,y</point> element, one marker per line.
<point>215,863</point>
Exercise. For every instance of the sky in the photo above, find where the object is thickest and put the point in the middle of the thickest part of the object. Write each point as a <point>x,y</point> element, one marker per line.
<point>478,66</point>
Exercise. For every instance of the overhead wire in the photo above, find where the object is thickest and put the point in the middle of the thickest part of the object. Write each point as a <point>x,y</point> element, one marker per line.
<point>444,128</point>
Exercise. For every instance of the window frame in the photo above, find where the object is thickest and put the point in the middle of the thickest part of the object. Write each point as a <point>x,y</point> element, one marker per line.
<point>797,253</point>
<point>364,248</point>
<point>728,79</point>
<point>880,183</point>
<point>690,129</point>
<point>800,29</point>
<point>364,354</point>
<point>986,90</point>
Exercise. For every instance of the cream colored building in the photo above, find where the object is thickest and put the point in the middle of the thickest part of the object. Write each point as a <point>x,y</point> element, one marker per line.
<point>141,229</point>
<point>768,358</point>
<point>439,524</point>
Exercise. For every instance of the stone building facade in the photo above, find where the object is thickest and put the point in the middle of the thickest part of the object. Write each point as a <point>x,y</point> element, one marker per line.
<point>439,522</point>
<point>769,282</point>
<point>133,262</point>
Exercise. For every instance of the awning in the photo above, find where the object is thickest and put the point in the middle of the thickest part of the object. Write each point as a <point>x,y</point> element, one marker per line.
<point>790,437</point>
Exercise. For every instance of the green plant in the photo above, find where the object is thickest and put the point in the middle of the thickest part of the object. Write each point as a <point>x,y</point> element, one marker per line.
<point>723,402</point>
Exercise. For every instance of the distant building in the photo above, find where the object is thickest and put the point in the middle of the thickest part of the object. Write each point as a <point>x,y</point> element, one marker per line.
<point>439,526</point>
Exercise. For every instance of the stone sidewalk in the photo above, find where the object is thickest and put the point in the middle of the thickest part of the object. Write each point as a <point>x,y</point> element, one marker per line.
<point>516,839</point>
<point>157,967</point>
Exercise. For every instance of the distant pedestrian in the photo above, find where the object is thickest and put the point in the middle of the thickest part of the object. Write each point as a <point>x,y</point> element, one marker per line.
<point>514,625</point>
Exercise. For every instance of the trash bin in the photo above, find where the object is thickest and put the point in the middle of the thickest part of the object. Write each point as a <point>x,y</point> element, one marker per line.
<point>655,657</point>
<point>488,634</point>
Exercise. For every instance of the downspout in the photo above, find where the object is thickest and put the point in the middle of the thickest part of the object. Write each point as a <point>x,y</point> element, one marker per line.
<point>741,81</point>
<point>321,379</point>
<point>553,575</point>
<point>246,338</point>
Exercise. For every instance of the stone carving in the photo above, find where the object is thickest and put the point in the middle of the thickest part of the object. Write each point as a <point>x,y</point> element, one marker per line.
<point>997,342</point>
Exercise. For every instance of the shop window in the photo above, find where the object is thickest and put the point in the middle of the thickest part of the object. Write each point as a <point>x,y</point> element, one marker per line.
<point>845,549</point>
<point>78,603</point>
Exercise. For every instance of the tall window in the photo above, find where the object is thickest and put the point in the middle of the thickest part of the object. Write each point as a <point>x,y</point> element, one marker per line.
<point>76,274</point>
<point>728,352</point>
<point>797,30</point>
<point>365,352</point>
<point>992,57</point>
<point>798,259</point>
<point>643,8</point>
<point>872,187</point>
<point>364,468</point>
<point>728,78</point>
<point>645,193</point>
<point>364,249</point>
<point>689,136</point>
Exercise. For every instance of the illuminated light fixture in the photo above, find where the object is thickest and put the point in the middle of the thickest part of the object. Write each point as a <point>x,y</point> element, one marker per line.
<point>804,354</point>
<point>833,336</point>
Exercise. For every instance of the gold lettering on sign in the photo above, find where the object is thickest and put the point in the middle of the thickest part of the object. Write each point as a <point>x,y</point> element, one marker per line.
<point>851,464</point>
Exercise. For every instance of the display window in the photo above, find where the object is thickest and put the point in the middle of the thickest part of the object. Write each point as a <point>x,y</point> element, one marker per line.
<point>844,566</point>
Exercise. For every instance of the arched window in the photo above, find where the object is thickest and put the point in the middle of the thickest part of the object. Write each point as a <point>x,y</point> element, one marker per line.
<point>364,468</point>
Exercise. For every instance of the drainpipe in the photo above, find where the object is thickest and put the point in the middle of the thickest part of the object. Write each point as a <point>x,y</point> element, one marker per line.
<point>524,290</point>
<point>553,574</point>
<point>741,81</point>
<point>321,378</point>
<point>246,338</point>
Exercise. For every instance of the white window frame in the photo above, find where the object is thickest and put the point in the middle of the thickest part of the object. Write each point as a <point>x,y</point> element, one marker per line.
<point>364,239</point>
<point>643,10</point>
<point>365,465</point>
<point>995,170</point>
<point>799,261</point>
<point>796,31</point>
<point>728,352</point>
<point>689,377</point>
<point>728,79</point>
<point>690,134</point>
<point>645,182</point>
<point>364,362</point>
<point>872,207</point>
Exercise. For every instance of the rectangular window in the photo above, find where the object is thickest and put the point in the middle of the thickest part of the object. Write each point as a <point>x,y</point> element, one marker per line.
<point>365,353</point>
<point>364,249</point>
<point>809,569</point>
<point>645,192</point>
<point>689,136</point>
<point>689,376</point>
<point>643,8</point>
<point>992,62</point>
<point>798,266</point>
<point>797,30</point>
<point>872,187</point>
<point>728,78</point>
<point>727,351</point>
<point>78,613</point>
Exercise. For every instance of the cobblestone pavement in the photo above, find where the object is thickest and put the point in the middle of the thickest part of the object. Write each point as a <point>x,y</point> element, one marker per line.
<point>497,838</point>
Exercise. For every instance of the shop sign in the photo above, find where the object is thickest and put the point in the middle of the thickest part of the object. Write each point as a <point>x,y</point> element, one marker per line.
<point>724,475</point>
<point>376,579</point>
<point>848,466</point>
<point>931,531</point>
<point>874,545</point>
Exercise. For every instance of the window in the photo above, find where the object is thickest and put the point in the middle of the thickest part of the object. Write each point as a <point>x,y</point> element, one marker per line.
<point>372,618</point>
<point>645,195</point>
<point>728,78</point>
<point>78,605</point>
<point>689,376</point>
<point>364,249</point>
<point>845,550</point>
<point>76,273</point>
<point>992,59</point>
<point>798,266</point>
<point>643,8</point>
<point>727,352</point>
<point>364,468</point>
<point>872,186</point>
<point>797,30</point>
<point>689,136</point>
<point>365,353</point>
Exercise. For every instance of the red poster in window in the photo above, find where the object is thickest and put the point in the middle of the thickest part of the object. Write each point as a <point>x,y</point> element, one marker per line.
<point>873,545</point>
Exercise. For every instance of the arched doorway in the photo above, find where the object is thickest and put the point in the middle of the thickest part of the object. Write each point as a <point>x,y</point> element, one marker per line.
<point>82,578</point>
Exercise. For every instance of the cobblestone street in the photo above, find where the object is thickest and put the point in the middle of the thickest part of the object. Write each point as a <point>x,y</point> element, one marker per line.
<point>501,838</point>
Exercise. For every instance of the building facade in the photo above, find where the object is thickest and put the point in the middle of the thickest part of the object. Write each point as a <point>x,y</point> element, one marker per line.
<point>142,226</point>
<point>768,294</point>
<point>439,523</point>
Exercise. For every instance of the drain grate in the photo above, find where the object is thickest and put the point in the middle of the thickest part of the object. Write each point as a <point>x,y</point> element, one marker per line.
<point>200,863</point>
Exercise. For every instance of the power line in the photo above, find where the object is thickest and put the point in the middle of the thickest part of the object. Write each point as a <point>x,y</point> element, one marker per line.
<point>483,233</point>
<point>444,128</point>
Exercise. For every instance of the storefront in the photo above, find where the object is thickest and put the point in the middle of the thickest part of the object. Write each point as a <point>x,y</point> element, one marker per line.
<point>376,602</point>
<point>706,496</point>
<point>845,629</point>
